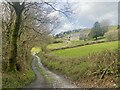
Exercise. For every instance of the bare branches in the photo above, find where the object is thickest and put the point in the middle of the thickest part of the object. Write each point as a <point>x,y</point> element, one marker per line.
<point>41,20</point>
<point>29,5</point>
<point>40,16</point>
<point>11,4</point>
<point>33,29</point>
<point>104,72</point>
<point>61,11</point>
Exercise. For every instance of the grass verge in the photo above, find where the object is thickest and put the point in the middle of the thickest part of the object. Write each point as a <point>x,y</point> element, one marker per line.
<point>86,71</point>
<point>18,79</point>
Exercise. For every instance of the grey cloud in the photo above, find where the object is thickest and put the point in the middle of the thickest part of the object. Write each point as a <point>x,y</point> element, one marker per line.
<point>87,13</point>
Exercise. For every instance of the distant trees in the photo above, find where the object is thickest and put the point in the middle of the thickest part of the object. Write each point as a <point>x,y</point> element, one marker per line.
<point>99,29</point>
<point>95,31</point>
<point>118,27</point>
<point>104,26</point>
<point>62,34</point>
<point>83,37</point>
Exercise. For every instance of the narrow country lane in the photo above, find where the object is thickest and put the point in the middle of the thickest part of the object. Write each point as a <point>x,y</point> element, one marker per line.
<point>41,82</point>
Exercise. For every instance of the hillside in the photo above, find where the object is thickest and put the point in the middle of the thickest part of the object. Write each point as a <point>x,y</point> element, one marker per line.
<point>79,34</point>
<point>86,50</point>
<point>85,65</point>
<point>59,45</point>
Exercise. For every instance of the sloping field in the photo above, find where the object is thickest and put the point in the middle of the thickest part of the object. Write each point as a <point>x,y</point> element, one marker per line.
<point>61,45</point>
<point>84,69</point>
<point>86,50</point>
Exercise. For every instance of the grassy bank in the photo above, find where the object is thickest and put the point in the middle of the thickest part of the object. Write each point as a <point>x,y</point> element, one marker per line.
<point>85,66</point>
<point>18,79</point>
<point>86,70</point>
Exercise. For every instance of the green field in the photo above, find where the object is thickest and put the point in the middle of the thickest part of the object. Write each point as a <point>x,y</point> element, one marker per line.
<point>86,50</point>
<point>58,45</point>
<point>35,50</point>
<point>84,64</point>
<point>78,65</point>
<point>112,27</point>
<point>65,44</point>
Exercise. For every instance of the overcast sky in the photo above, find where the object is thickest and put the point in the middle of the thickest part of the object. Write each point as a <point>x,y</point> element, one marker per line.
<point>85,14</point>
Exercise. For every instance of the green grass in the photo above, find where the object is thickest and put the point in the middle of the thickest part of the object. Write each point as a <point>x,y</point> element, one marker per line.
<point>80,68</point>
<point>86,50</point>
<point>65,44</point>
<point>35,50</point>
<point>18,79</point>
<point>57,45</point>
<point>83,63</point>
<point>112,27</point>
<point>77,42</point>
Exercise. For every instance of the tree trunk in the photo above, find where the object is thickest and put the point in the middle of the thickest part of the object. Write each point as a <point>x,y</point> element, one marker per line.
<point>13,44</point>
<point>96,37</point>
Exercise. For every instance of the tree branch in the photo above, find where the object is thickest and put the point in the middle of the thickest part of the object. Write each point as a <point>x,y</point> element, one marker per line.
<point>33,29</point>
<point>11,4</point>
<point>106,70</point>
<point>63,12</point>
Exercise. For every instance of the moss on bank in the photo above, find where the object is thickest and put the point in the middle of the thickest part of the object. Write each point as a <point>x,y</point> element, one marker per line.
<point>18,79</point>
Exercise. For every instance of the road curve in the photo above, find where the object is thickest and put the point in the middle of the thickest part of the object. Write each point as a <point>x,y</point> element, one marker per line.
<point>40,82</point>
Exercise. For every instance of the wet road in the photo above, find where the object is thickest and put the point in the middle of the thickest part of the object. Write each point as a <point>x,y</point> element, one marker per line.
<point>41,81</point>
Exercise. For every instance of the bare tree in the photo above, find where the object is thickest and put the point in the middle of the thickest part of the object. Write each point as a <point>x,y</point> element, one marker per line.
<point>105,26</point>
<point>18,8</point>
<point>31,17</point>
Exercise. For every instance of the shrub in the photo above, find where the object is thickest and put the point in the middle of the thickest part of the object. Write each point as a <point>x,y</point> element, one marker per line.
<point>112,35</point>
<point>57,41</point>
